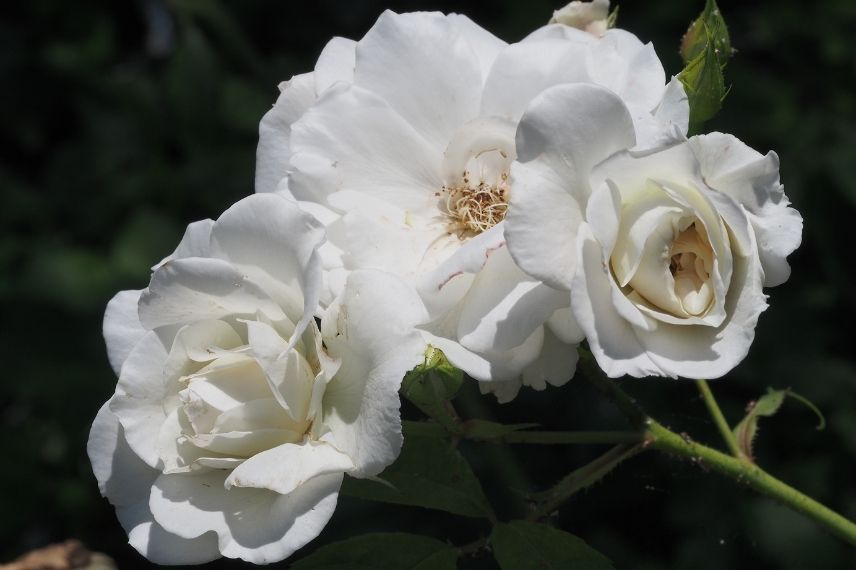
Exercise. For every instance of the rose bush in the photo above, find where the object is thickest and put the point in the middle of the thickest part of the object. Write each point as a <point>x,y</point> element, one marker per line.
<point>235,417</point>
<point>666,251</point>
<point>403,148</point>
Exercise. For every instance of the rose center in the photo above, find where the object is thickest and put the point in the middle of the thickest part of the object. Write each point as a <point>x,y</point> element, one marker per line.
<point>475,205</point>
<point>690,266</point>
<point>476,164</point>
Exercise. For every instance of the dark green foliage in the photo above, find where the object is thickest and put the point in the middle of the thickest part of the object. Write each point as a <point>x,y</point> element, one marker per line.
<point>522,545</point>
<point>382,551</point>
<point>429,473</point>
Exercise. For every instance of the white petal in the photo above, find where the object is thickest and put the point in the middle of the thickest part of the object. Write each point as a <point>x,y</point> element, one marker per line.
<point>612,339</point>
<point>370,239</point>
<point>336,63</point>
<point>140,396</point>
<point>752,180</point>
<point>565,131</point>
<point>504,306</point>
<point>286,370</point>
<point>563,324</point>
<point>523,70</point>
<point>541,224</point>
<point>632,70</point>
<point>126,482</point>
<point>444,286</point>
<point>371,329</point>
<point>122,327</point>
<point>555,365</point>
<point>123,478</point>
<point>162,547</point>
<point>505,391</point>
<point>426,70</point>
<point>192,289</point>
<point>274,235</point>
<point>256,525</point>
<point>285,468</point>
<point>674,108</point>
<point>485,45</point>
<point>491,366</point>
<point>274,151</point>
<point>196,242</point>
<point>370,148</point>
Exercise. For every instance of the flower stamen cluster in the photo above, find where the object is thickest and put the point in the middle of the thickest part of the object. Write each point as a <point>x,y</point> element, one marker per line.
<point>473,209</point>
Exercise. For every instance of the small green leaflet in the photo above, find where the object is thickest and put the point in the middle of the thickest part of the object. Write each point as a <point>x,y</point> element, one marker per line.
<point>382,551</point>
<point>705,49</point>
<point>521,545</point>
<point>429,473</point>
<point>767,406</point>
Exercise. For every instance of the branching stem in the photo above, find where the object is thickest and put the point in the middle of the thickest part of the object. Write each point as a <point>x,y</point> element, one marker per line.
<point>719,419</point>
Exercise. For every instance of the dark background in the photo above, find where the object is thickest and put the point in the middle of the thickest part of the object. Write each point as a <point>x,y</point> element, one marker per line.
<point>120,122</point>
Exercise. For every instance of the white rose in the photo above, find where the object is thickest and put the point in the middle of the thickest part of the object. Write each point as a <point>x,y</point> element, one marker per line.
<point>235,418</point>
<point>665,252</point>
<point>407,163</point>
<point>591,17</point>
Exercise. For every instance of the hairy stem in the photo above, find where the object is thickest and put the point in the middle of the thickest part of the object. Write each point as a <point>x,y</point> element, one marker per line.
<point>571,437</point>
<point>581,478</point>
<point>742,471</point>
<point>719,419</point>
<point>663,439</point>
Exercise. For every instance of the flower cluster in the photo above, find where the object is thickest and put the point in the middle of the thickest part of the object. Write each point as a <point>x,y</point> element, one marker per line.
<point>429,184</point>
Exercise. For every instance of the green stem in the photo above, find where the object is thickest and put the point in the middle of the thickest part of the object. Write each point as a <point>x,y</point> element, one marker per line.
<point>719,419</point>
<point>581,478</point>
<point>668,441</point>
<point>571,437</point>
<point>663,439</point>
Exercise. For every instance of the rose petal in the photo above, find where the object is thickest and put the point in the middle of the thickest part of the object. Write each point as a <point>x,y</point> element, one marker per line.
<point>256,525</point>
<point>287,467</point>
<point>122,327</point>
<point>565,131</point>
<point>274,151</point>
<point>425,68</point>
<point>371,329</point>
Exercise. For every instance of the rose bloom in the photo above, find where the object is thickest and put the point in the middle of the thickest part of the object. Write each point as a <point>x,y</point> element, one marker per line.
<point>665,252</point>
<point>235,417</point>
<point>401,144</point>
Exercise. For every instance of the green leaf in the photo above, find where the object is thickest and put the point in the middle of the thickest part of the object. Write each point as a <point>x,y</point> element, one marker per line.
<point>521,545</point>
<point>431,384</point>
<point>768,405</point>
<point>429,473</point>
<point>483,429</point>
<point>705,50</point>
<point>382,551</point>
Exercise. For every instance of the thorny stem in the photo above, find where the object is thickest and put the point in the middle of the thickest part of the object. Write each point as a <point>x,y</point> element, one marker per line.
<point>663,439</point>
<point>571,437</point>
<point>719,419</point>
<point>742,471</point>
<point>581,478</point>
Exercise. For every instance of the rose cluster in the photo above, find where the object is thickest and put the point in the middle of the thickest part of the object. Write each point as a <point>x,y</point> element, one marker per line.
<point>429,184</point>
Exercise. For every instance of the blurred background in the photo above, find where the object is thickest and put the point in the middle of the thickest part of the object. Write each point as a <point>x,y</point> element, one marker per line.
<point>121,122</point>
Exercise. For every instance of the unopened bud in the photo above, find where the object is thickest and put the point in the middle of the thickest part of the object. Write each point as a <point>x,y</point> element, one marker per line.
<point>591,17</point>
